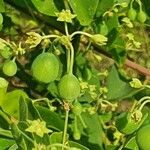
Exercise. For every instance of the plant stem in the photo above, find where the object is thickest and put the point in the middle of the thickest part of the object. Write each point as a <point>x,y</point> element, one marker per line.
<point>50,36</point>
<point>66,29</point>
<point>82,121</point>
<point>71,59</point>
<point>68,60</point>
<point>144,103</point>
<point>143,99</point>
<point>65,125</point>
<point>66,4</point>
<point>80,32</point>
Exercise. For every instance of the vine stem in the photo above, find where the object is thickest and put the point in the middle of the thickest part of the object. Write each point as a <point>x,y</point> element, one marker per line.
<point>66,107</point>
<point>68,60</point>
<point>143,104</point>
<point>50,36</point>
<point>66,29</point>
<point>80,32</point>
<point>71,59</point>
<point>82,121</point>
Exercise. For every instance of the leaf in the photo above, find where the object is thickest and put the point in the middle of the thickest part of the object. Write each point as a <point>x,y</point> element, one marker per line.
<point>56,137</point>
<point>48,7</point>
<point>3,89</point>
<point>94,129</point>
<point>51,118</point>
<point>131,144</point>
<point>23,109</point>
<point>18,137</point>
<point>75,144</point>
<point>118,89</point>
<point>5,143</point>
<point>104,6</point>
<point>5,133</point>
<point>11,102</point>
<point>2,6</point>
<point>85,10</point>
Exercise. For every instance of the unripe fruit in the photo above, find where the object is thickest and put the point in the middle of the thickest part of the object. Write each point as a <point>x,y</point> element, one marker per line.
<point>141,16</point>
<point>69,87</point>
<point>9,68</point>
<point>132,14</point>
<point>45,67</point>
<point>143,137</point>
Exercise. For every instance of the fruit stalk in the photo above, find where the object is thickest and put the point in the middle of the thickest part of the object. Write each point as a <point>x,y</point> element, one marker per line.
<point>66,107</point>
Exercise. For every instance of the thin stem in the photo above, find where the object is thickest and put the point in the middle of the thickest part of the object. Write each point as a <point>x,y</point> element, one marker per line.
<point>65,127</point>
<point>29,139</point>
<point>143,99</point>
<point>68,60</point>
<point>5,117</point>
<point>82,121</point>
<point>50,36</point>
<point>80,32</point>
<point>71,59</point>
<point>143,104</point>
<point>131,4</point>
<point>66,4</point>
<point>66,29</point>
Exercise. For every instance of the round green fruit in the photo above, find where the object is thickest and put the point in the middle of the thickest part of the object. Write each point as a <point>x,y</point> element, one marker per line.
<point>69,87</point>
<point>45,67</point>
<point>141,16</point>
<point>10,68</point>
<point>132,14</point>
<point>143,137</point>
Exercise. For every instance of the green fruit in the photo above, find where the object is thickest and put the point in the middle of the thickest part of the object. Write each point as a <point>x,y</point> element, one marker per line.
<point>69,87</point>
<point>143,137</point>
<point>132,14</point>
<point>9,68</point>
<point>45,67</point>
<point>141,16</point>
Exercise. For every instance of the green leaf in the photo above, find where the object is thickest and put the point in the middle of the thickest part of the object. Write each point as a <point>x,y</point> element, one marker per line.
<point>5,133</point>
<point>131,144</point>
<point>11,102</point>
<point>94,129</point>
<point>18,137</point>
<point>33,113</point>
<point>3,89</point>
<point>52,119</point>
<point>23,109</point>
<point>104,6</point>
<point>56,137</point>
<point>48,7</point>
<point>85,10</point>
<point>5,143</point>
<point>117,88</point>
<point>2,6</point>
<point>75,144</point>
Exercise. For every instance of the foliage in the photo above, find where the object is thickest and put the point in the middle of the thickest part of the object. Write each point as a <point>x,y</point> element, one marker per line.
<point>65,81</point>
